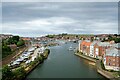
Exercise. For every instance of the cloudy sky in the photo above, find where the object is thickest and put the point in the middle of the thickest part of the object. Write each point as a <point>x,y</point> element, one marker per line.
<point>41,18</point>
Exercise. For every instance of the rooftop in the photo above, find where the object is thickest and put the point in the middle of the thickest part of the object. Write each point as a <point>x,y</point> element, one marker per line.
<point>112,52</point>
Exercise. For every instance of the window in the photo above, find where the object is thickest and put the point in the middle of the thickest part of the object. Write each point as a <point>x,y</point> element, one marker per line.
<point>113,59</point>
<point>114,64</point>
<point>109,59</point>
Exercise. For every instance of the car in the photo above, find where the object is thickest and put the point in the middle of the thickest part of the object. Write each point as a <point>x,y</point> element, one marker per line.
<point>28,61</point>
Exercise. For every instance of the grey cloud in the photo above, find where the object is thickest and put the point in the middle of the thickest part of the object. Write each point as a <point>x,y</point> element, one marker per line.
<point>87,17</point>
<point>60,1</point>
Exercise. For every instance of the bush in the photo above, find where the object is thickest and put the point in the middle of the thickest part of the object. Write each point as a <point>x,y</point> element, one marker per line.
<point>33,63</point>
<point>119,73</point>
<point>19,73</point>
<point>6,51</point>
<point>102,65</point>
<point>45,54</point>
<point>13,40</point>
<point>20,43</point>
<point>6,73</point>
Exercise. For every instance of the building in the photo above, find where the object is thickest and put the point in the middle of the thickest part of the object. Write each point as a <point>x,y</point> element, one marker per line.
<point>96,51</point>
<point>79,45</point>
<point>112,59</point>
<point>85,47</point>
<point>26,39</point>
<point>5,36</point>
<point>102,48</point>
<point>13,47</point>
<point>92,49</point>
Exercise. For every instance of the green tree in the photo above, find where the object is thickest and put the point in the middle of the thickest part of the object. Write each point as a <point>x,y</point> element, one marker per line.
<point>63,34</point>
<point>110,38</point>
<point>115,35</point>
<point>13,40</point>
<point>5,50</point>
<point>20,43</point>
<point>19,73</point>
<point>91,39</point>
<point>40,58</point>
<point>16,38</point>
<point>103,40</point>
<point>117,40</point>
<point>6,73</point>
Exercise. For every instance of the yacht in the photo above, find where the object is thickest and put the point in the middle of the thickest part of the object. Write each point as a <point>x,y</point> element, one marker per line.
<point>70,48</point>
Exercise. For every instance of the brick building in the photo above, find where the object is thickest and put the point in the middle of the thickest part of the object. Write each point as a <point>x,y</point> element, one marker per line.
<point>85,47</point>
<point>112,59</point>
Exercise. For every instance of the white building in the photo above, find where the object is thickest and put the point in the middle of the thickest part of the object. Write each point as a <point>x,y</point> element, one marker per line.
<point>79,45</point>
<point>92,49</point>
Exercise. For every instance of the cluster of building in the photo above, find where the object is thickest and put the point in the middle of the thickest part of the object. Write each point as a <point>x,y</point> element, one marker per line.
<point>106,51</point>
<point>5,36</point>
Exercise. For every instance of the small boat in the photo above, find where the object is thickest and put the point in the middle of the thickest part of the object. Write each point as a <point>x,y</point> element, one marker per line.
<point>70,48</point>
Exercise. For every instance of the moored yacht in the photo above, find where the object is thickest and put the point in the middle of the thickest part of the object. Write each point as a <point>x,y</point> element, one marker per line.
<point>70,48</point>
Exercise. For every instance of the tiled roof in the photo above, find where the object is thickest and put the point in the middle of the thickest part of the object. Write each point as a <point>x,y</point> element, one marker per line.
<point>112,52</point>
<point>87,43</point>
<point>104,44</point>
<point>116,45</point>
<point>94,42</point>
<point>83,42</point>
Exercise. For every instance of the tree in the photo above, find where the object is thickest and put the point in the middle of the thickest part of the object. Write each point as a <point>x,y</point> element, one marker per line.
<point>63,34</point>
<point>110,38</point>
<point>6,50</point>
<point>19,73</point>
<point>6,73</point>
<point>13,40</point>
<point>40,58</point>
<point>115,35</point>
<point>91,39</point>
<point>20,43</point>
<point>50,36</point>
<point>117,40</point>
<point>103,40</point>
<point>16,38</point>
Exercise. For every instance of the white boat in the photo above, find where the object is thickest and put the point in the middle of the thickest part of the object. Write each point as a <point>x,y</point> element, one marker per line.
<point>70,48</point>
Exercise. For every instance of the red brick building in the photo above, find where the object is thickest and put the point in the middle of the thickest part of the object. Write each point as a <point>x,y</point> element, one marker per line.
<point>85,47</point>
<point>112,59</point>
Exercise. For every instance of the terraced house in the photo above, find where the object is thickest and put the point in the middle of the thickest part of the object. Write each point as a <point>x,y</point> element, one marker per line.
<point>106,51</point>
<point>112,59</point>
<point>85,47</point>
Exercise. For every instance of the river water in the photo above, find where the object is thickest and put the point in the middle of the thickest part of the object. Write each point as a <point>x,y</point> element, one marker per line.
<point>62,63</point>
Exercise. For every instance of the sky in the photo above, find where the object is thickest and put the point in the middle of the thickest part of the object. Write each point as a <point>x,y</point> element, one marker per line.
<point>33,19</point>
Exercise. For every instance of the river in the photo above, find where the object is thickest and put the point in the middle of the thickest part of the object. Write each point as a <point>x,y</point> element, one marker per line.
<point>62,63</point>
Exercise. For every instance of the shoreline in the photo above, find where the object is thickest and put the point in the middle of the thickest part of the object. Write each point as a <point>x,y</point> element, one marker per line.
<point>85,57</point>
<point>45,56</point>
<point>31,69</point>
<point>104,73</point>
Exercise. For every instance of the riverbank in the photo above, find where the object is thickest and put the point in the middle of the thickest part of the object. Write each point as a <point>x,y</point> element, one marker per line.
<point>86,57</point>
<point>38,61</point>
<point>28,70</point>
<point>107,74</point>
<point>21,72</point>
